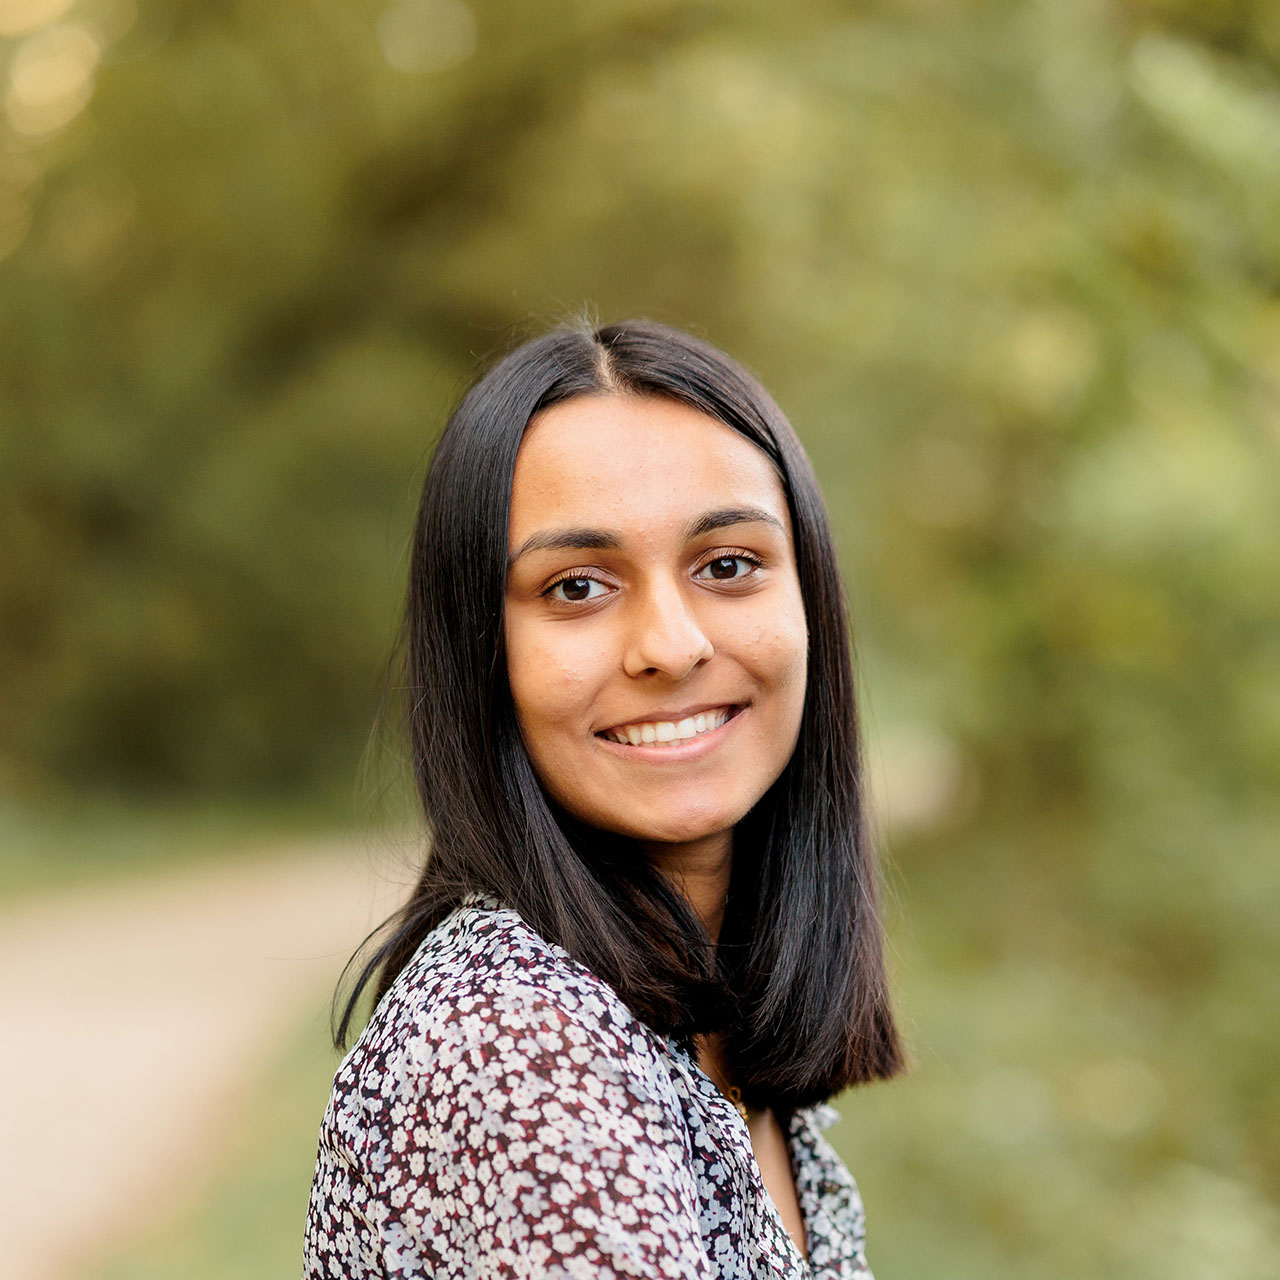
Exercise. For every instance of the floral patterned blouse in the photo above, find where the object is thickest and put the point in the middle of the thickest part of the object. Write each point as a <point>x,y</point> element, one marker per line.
<point>504,1114</point>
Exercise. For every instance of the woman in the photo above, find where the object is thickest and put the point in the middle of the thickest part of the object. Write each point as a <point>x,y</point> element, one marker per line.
<point>644,949</point>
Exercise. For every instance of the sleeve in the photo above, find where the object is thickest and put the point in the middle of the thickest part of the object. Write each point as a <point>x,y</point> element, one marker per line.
<point>522,1142</point>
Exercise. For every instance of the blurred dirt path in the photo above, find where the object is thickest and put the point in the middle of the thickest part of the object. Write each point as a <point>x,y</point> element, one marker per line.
<point>132,1015</point>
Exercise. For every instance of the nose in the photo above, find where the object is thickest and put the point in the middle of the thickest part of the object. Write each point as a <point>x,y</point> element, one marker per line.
<point>665,636</point>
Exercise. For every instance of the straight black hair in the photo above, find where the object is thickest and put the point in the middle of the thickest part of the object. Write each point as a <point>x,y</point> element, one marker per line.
<point>796,980</point>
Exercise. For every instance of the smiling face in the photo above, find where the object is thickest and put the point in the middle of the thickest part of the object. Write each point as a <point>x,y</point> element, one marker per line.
<point>655,632</point>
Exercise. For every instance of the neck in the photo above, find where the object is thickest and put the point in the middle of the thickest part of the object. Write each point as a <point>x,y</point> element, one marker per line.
<point>700,870</point>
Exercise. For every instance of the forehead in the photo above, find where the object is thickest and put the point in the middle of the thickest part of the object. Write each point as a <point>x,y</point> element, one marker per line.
<point>639,464</point>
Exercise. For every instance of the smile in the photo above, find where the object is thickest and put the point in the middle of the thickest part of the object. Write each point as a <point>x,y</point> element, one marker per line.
<point>670,733</point>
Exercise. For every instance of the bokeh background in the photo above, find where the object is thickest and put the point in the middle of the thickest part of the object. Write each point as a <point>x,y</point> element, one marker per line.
<point>1013,270</point>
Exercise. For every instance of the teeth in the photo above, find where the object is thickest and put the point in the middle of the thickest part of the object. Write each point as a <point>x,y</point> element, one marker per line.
<point>668,731</point>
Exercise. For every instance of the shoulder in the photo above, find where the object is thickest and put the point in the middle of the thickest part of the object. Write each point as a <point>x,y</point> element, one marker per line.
<point>486,995</point>
<point>504,1104</point>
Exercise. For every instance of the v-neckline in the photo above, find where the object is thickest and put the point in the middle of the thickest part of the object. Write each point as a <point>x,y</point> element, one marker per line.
<point>711,1090</point>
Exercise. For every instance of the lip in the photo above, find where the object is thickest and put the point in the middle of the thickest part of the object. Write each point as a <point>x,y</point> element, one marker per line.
<point>690,748</point>
<point>682,713</point>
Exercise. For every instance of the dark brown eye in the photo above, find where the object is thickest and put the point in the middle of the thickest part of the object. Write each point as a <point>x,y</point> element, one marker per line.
<point>577,590</point>
<point>725,567</point>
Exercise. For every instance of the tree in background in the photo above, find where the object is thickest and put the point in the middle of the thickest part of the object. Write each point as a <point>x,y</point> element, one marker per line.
<point>1012,270</point>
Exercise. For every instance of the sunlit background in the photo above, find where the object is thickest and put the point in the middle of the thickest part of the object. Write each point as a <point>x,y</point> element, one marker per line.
<point>1013,270</point>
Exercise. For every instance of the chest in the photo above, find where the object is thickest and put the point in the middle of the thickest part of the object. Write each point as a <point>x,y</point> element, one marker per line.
<point>772,1151</point>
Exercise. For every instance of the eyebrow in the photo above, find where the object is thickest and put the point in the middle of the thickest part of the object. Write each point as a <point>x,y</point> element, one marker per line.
<point>605,540</point>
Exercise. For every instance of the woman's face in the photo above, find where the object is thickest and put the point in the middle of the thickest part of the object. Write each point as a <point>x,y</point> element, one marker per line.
<point>656,640</point>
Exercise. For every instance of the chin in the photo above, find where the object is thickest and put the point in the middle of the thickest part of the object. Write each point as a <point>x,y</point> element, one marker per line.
<point>679,828</point>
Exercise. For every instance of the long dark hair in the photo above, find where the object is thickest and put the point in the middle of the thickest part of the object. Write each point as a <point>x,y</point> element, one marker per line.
<point>796,979</point>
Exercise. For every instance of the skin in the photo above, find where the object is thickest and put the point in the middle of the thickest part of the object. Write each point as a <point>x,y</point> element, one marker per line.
<point>620,609</point>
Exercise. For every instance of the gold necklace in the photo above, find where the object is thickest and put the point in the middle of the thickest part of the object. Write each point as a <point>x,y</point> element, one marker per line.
<point>730,1091</point>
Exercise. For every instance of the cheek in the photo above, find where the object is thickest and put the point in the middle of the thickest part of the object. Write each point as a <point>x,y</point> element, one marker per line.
<point>552,681</point>
<point>792,675</point>
<point>778,651</point>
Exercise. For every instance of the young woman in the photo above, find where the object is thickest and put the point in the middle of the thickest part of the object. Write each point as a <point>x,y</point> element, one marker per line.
<point>644,949</point>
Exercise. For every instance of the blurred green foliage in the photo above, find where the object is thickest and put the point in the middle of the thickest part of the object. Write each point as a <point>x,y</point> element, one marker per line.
<point>1011,268</point>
